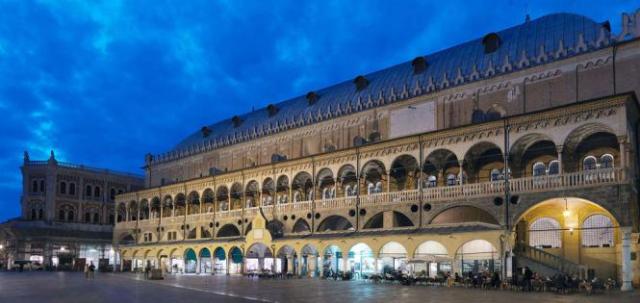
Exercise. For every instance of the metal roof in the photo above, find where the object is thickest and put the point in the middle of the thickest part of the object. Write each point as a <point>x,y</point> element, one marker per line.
<point>535,42</point>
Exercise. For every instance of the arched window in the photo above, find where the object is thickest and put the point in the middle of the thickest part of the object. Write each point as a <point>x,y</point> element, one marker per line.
<point>61,215</point>
<point>539,169</point>
<point>112,194</point>
<point>40,214</point>
<point>96,218</point>
<point>70,215</point>
<point>496,175</point>
<point>452,180</point>
<point>597,231</point>
<point>378,188</point>
<point>589,163</point>
<point>33,214</point>
<point>606,161</point>
<point>63,187</point>
<point>72,189</point>
<point>42,185</point>
<point>554,167</point>
<point>432,181</point>
<point>87,217</point>
<point>34,186</point>
<point>88,190</point>
<point>371,188</point>
<point>545,233</point>
<point>96,192</point>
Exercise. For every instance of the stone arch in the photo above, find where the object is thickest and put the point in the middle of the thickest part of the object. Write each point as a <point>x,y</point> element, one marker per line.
<point>374,175</point>
<point>585,138</point>
<point>276,228</point>
<point>477,255</point>
<point>228,230</point>
<point>208,200</point>
<point>377,221</point>
<point>404,173</point>
<point>301,226</point>
<point>190,260</point>
<point>180,204</point>
<point>326,183</point>
<point>156,205</point>
<point>528,149</point>
<point>463,214</point>
<point>282,189</point>
<point>480,159</point>
<point>236,196</point>
<point>252,191</point>
<point>268,192</point>
<point>438,165</point>
<point>348,180</point>
<point>334,223</point>
<point>222,198</point>
<point>431,251</point>
<point>145,209</point>
<point>194,202</point>
<point>302,186</point>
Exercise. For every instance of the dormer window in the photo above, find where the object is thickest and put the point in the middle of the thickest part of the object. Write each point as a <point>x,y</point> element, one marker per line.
<point>236,121</point>
<point>312,97</point>
<point>491,43</point>
<point>272,110</point>
<point>361,82</point>
<point>419,65</point>
<point>206,131</point>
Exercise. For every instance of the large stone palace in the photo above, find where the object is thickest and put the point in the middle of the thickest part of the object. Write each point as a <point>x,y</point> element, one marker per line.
<point>515,149</point>
<point>67,216</point>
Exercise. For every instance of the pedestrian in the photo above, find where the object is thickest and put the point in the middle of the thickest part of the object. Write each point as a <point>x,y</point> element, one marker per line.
<point>528,275</point>
<point>86,271</point>
<point>92,269</point>
<point>147,270</point>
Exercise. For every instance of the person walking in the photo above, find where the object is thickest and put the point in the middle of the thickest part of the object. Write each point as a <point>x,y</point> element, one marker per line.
<point>528,275</point>
<point>86,271</point>
<point>92,270</point>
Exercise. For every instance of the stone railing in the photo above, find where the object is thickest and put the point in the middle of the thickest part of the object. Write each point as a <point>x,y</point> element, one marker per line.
<point>565,181</point>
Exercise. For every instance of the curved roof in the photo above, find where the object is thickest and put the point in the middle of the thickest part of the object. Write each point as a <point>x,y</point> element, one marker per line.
<point>546,39</point>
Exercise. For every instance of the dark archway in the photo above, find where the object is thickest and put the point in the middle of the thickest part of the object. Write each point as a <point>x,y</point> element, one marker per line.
<point>463,214</point>
<point>228,230</point>
<point>335,223</point>
<point>301,226</point>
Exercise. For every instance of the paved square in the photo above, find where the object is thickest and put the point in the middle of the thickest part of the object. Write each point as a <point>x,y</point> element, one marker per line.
<point>125,288</point>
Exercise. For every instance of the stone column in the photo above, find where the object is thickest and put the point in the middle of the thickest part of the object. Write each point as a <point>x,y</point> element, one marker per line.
<point>461,172</point>
<point>559,150</point>
<point>198,265</point>
<point>627,270</point>
<point>623,151</point>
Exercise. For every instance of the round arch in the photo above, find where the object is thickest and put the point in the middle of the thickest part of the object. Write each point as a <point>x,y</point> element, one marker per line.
<point>393,257</point>
<point>361,260</point>
<point>463,214</point>
<point>334,223</point>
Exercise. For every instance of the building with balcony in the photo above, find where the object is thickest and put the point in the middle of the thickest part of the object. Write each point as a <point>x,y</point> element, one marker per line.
<point>67,215</point>
<point>515,149</point>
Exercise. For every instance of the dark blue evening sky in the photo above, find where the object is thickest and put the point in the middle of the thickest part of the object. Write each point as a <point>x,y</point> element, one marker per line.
<point>105,82</point>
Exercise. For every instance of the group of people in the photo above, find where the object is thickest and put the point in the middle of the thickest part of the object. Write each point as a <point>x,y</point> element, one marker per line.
<point>561,283</point>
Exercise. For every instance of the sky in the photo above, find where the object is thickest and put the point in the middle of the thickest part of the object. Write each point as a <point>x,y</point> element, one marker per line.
<point>102,83</point>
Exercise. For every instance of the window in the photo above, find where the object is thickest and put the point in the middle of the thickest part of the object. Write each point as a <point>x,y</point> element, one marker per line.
<point>42,185</point>
<point>96,218</point>
<point>589,163</point>
<point>606,161</point>
<point>63,187</point>
<point>61,215</point>
<point>34,186</point>
<point>88,191</point>
<point>539,169</point>
<point>597,231</point>
<point>72,189</point>
<point>40,214</point>
<point>112,194</point>
<point>70,215</point>
<point>370,188</point>
<point>554,167</point>
<point>33,214</point>
<point>111,219</point>
<point>452,180</point>
<point>96,192</point>
<point>496,175</point>
<point>87,217</point>
<point>432,181</point>
<point>545,233</point>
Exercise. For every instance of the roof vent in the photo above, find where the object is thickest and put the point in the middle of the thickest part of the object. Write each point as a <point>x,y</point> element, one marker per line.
<point>272,110</point>
<point>491,43</point>
<point>312,97</point>
<point>419,65</point>
<point>361,82</point>
<point>236,121</point>
<point>206,131</point>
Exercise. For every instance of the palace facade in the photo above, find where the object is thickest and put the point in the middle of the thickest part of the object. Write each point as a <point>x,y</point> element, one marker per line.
<point>67,216</point>
<point>515,149</point>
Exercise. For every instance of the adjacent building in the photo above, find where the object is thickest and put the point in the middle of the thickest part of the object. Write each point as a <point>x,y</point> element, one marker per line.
<point>67,215</point>
<point>517,148</point>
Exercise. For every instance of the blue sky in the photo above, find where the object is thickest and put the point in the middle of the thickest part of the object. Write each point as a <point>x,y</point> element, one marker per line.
<point>105,82</point>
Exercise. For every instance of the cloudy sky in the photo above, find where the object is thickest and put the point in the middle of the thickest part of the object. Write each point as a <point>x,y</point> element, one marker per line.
<point>104,82</point>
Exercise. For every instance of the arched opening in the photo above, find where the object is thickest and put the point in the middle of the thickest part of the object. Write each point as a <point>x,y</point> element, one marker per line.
<point>475,257</point>
<point>393,258</point>
<point>334,223</point>
<point>302,187</point>
<point>236,258</point>
<point>404,173</point>
<point>301,226</point>
<point>268,192</point>
<point>430,259</point>
<point>222,197</point>
<point>398,220</point>
<point>276,228</point>
<point>326,184</point>
<point>205,261</point>
<point>208,199</point>
<point>219,261</point>
<point>236,196</point>
<point>282,190</point>
<point>533,155</point>
<point>194,203</point>
<point>167,207</point>
<point>251,194</point>
<point>463,214</point>
<point>348,181</point>
<point>228,230</point>
<point>155,208</point>
<point>287,261</point>
<point>145,210</point>
<point>590,140</point>
<point>331,261</point>
<point>361,261</point>
<point>259,259</point>
<point>310,258</point>
<point>180,205</point>
<point>375,176</point>
<point>441,168</point>
<point>133,211</point>
<point>574,229</point>
<point>190,261</point>
<point>480,160</point>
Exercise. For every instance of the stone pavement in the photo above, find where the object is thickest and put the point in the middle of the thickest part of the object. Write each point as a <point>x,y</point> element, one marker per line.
<point>125,288</point>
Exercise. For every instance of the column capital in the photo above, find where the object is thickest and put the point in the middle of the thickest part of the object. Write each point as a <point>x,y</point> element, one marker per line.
<point>559,148</point>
